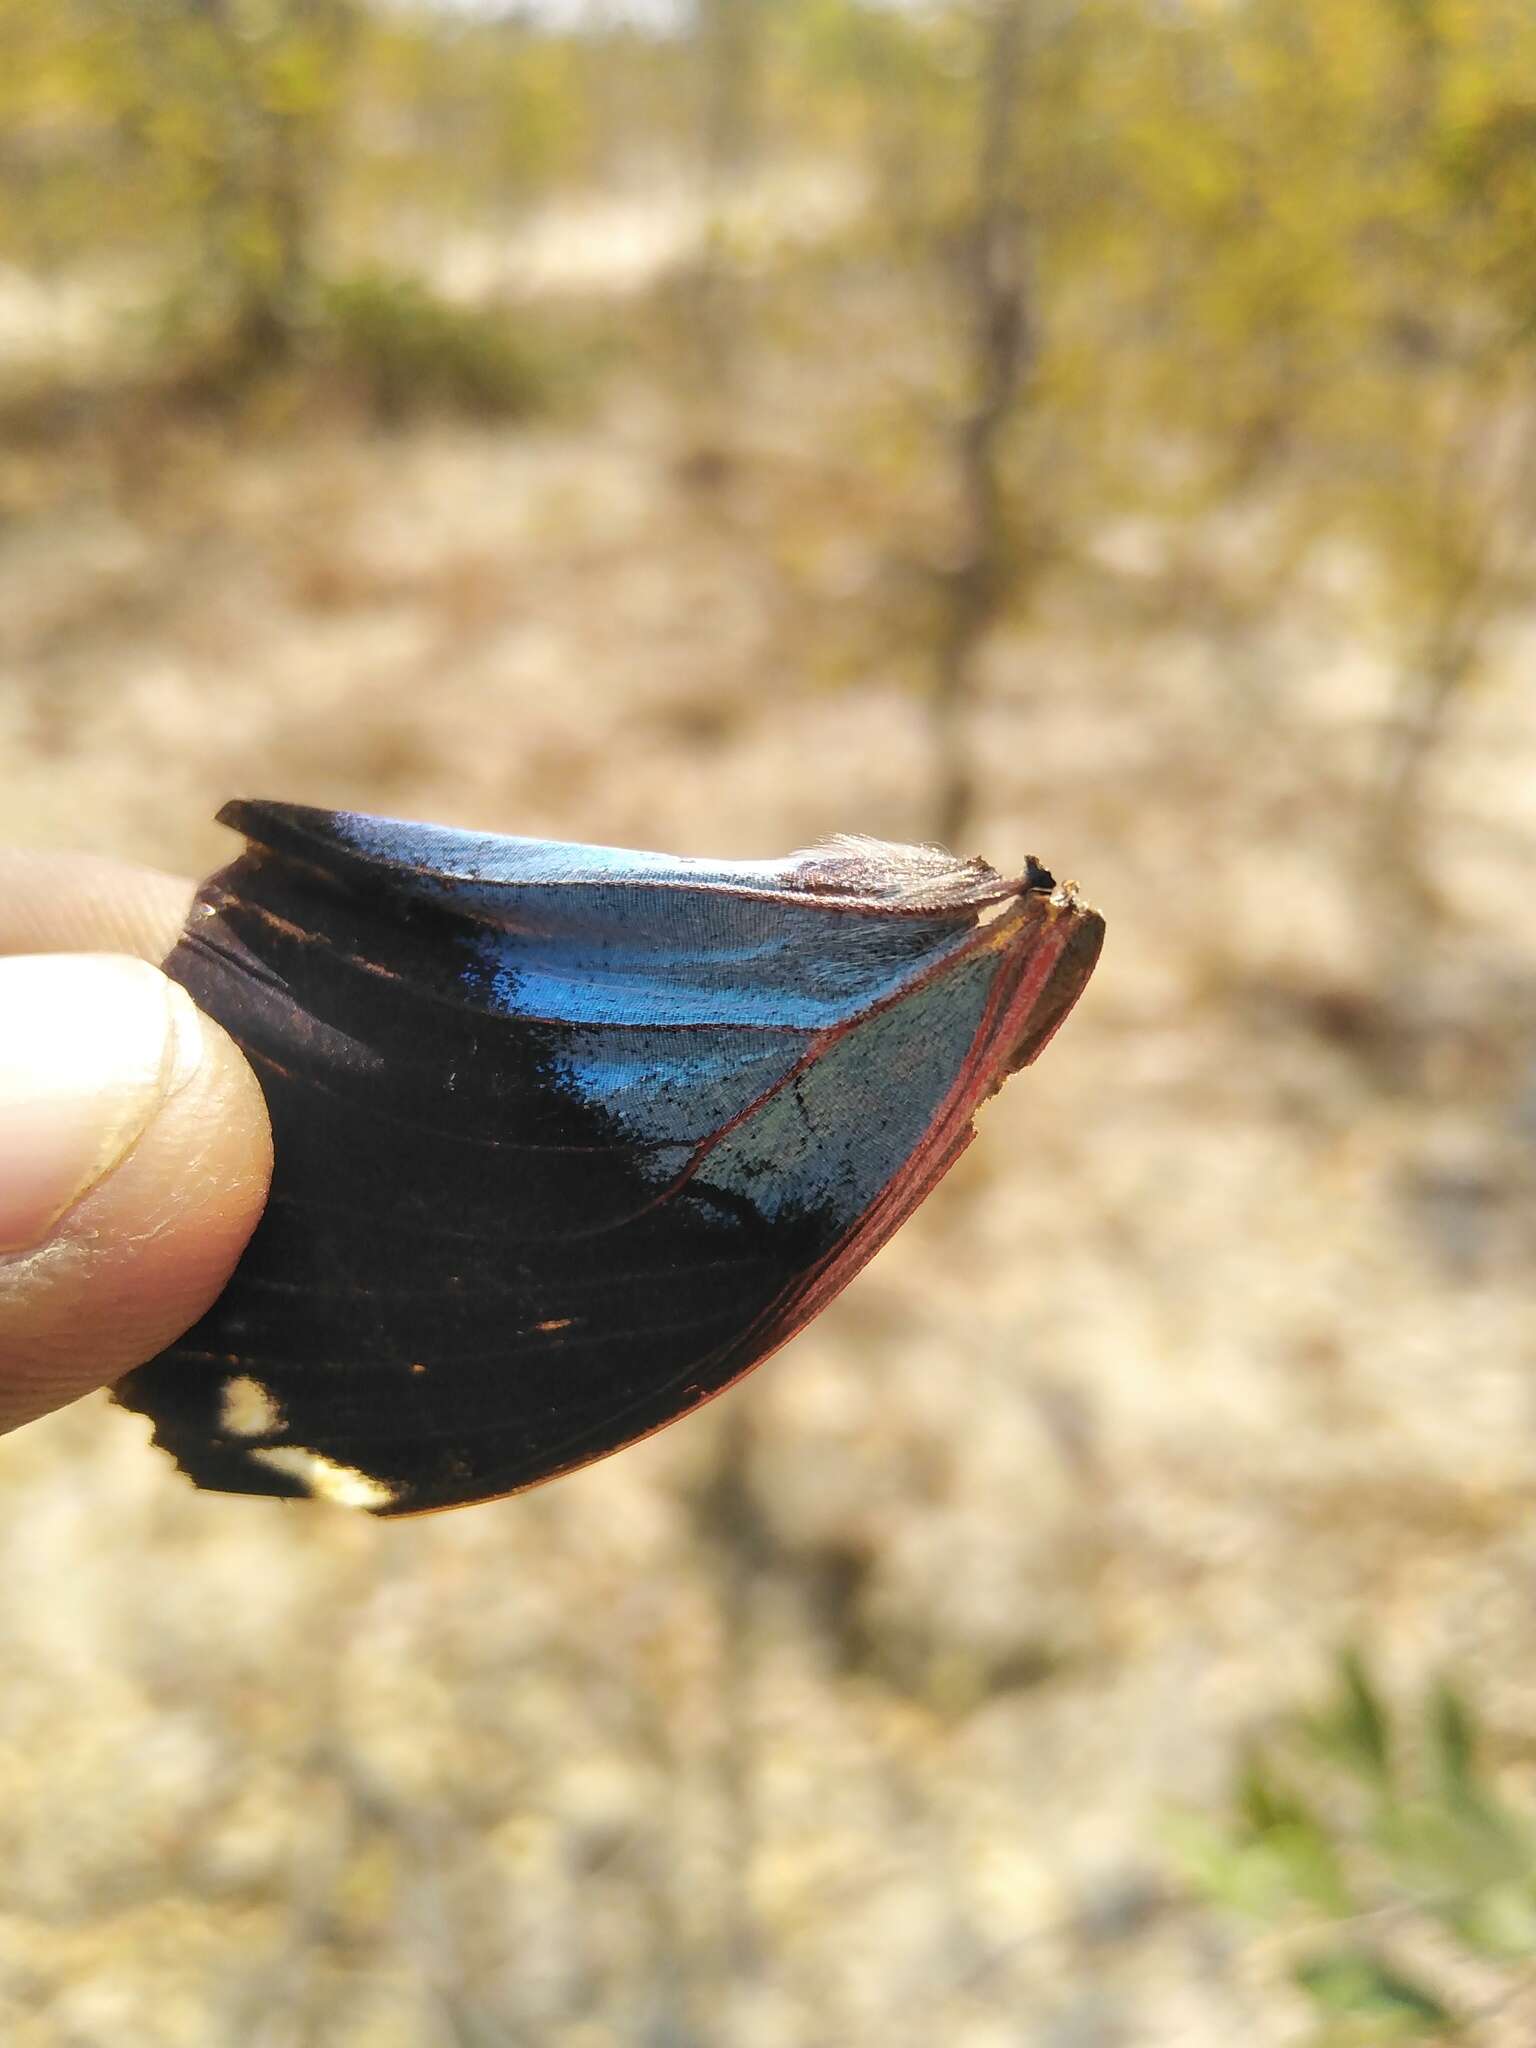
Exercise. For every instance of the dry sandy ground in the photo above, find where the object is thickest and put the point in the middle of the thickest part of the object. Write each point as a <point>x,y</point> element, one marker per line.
<point>851,1711</point>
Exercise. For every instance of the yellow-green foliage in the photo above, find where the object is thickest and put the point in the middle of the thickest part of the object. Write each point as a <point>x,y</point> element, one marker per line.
<point>459,118</point>
<point>1371,1838</point>
<point>1282,252</point>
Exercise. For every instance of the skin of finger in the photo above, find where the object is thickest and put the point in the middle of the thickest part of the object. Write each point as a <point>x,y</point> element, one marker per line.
<point>143,1254</point>
<point>79,903</point>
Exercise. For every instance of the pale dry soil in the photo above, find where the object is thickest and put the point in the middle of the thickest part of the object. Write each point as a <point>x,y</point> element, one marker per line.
<point>851,1711</point>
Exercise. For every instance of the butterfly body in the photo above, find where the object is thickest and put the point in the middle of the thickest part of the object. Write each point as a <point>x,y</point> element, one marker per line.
<point>568,1138</point>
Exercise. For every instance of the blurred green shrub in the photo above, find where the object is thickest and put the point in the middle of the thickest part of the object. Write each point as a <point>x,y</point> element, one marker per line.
<point>408,351</point>
<point>1379,1840</point>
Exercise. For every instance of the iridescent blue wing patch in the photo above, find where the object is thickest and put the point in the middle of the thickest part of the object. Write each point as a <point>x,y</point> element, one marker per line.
<point>569,1138</point>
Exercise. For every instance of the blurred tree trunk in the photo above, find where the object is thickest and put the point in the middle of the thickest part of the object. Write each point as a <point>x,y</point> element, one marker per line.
<point>1474,492</point>
<point>731,1522</point>
<point>728,38</point>
<point>292,76</point>
<point>742,1544</point>
<point>997,311</point>
<point>240,103</point>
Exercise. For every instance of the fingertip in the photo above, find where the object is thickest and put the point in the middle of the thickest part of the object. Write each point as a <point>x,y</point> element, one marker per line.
<point>135,1259</point>
<point>81,903</point>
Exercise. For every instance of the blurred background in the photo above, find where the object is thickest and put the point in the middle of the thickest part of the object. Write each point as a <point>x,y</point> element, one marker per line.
<point>1097,428</point>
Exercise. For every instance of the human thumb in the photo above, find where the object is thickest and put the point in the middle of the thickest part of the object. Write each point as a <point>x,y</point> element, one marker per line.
<point>134,1160</point>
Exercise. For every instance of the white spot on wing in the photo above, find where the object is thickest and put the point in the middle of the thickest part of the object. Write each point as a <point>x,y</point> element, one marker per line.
<point>323,1479</point>
<point>248,1409</point>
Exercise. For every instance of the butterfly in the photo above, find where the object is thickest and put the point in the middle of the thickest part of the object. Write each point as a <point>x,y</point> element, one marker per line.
<point>569,1138</point>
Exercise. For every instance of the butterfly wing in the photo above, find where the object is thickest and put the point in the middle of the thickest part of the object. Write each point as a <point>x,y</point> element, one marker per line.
<point>566,1138</point>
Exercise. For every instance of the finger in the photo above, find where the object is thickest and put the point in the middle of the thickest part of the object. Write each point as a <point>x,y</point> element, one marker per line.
<point>135,1155</point>
<point>79,903</point>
